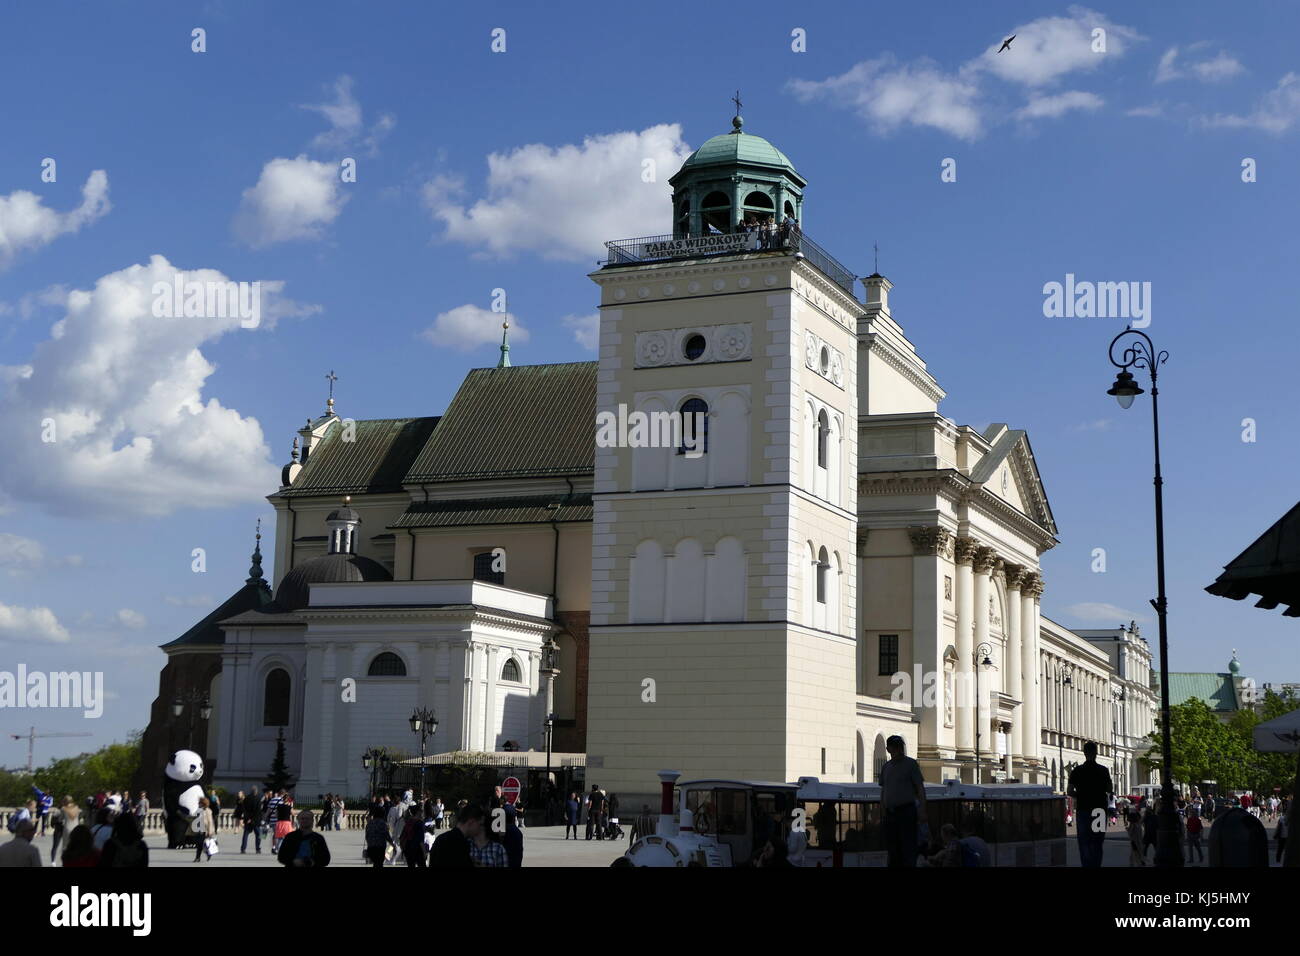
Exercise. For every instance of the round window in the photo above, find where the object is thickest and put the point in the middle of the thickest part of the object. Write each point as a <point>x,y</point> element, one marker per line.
<point>695,347</point>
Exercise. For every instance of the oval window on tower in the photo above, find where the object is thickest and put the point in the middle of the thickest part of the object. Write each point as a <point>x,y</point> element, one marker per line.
<point>694,347</point>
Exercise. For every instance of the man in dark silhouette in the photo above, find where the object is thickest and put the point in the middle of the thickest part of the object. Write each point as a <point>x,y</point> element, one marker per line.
<point>902,794</point>
<point>1091,788</point>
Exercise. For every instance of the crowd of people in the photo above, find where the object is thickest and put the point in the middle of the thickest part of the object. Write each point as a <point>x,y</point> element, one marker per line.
<point>406,832</point>
<point>109,831</point>
<point>767,233</point>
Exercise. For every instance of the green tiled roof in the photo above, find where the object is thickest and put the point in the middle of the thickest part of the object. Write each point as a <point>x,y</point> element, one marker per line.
<point>374,462</point>
<point>737,148</point>
<point>486,511</point>
<point>525,421</point>
<point>1215,689</point>
<point>253,596</point>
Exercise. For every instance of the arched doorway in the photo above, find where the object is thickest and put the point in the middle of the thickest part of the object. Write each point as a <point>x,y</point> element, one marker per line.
<point>878,757</point>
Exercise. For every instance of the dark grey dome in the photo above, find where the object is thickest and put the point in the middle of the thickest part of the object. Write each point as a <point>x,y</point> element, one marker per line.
<point>343,514</point>
<point>292,594</point>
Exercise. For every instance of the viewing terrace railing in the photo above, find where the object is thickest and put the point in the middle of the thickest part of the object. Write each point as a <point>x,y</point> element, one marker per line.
<point>665,248</point>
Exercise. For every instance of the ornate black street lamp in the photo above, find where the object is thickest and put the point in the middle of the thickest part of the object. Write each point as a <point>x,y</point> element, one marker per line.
<point>376,760</point>
<point>1061,677</point>
<point>198,701</point>
<point>981,659</point>
<point>1140,353</point>
<point>424,723</point>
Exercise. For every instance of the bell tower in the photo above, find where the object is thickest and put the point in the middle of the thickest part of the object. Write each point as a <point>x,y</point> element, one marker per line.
<point>724,563</point>
<point>736,177</point>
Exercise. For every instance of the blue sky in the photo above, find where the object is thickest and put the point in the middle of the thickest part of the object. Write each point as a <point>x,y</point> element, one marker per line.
<point>1117,166</point>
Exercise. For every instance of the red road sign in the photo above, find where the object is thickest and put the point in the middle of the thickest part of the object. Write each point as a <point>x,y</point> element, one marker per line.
<point>510,789</point>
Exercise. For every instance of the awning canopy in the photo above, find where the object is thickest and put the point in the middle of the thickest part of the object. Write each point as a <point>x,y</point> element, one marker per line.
<point>1270,568</point>
<point>1279,735</point>
<point>518,759</point>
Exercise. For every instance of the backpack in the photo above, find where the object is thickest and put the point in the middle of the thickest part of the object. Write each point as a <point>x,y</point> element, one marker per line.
<point>12,825</point>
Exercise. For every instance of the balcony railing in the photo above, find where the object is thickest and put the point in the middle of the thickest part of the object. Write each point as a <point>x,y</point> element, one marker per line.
<point>624,252</point>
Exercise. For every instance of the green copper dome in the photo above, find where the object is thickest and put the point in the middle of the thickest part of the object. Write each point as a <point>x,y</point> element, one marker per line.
<point>738,148</point>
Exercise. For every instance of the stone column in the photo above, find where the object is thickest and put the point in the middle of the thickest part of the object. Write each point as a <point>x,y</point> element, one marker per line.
<point>492,660</point>
<point>1008,763</point>
<point>1032,735</point>
<point>964,555</point>
<point>1012,667</point>
<point>932,548</point>
<point>985,558</point>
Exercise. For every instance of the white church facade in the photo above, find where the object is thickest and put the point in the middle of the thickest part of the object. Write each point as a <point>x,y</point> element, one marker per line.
<point>841,563</point>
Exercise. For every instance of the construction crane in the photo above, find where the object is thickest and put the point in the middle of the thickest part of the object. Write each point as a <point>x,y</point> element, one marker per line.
<point>31,741</point>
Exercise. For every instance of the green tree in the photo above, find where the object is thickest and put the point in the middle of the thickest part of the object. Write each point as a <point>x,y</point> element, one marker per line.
<point>1264,771</point>
<point>1196,735</point>
<point>279,778</point>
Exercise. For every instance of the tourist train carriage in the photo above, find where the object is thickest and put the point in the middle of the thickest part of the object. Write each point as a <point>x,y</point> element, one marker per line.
<point>721,822</point>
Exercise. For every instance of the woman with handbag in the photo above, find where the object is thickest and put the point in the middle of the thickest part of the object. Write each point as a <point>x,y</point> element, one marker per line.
<point>204,827</point>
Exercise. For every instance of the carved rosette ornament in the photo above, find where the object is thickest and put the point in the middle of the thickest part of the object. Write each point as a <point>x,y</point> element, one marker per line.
<point>965,550</point>
<point>984,560</point>
<point>931,540</point>
<point>653,349</point>
<point>733,341</point>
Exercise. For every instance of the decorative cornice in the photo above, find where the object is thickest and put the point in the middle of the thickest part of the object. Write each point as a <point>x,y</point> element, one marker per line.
<point>899,362</point>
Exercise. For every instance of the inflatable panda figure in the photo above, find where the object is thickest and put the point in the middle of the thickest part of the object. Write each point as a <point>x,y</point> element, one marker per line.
<point>181,794</point>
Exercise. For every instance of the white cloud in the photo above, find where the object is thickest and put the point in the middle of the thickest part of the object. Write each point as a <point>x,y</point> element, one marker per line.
<point>1094,611</point>
<point>130,619</point>
<point>26,223</point>
<point>585,329</point>
<point>20,554</point>
<point>1278,109</point>
<point>133,431</point>
<point>23,625</point>
<point>1050,47</point>
<point>889,95</point>
<point>346,122</point>
<point>565,202</point>
<point>1222,66</point>
<point>1050,107</point>
<point>469,327</point>
<point>1155,109</point>
<point>190,600</point>
<point>293,199</point>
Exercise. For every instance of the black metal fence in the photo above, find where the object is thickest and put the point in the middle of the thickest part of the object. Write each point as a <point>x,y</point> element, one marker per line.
<point>666,248</point>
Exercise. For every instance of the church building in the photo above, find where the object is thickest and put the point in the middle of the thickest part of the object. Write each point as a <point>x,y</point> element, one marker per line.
<point>826,562</point>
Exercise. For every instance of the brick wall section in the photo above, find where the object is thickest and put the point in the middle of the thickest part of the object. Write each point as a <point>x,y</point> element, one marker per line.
<point>165,733</point>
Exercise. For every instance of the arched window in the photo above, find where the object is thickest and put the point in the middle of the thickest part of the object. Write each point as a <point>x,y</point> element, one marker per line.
<point>510,671</point>
<point>387,664</point>
<point>715,212</point>
<point>823,438</point>
<point>483,563</point>
<point>694,412</point>
<point>275,699</point>
<point>823,572</point>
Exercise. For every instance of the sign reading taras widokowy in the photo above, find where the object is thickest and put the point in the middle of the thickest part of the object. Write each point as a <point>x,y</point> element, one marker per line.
<point>698,245</point>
